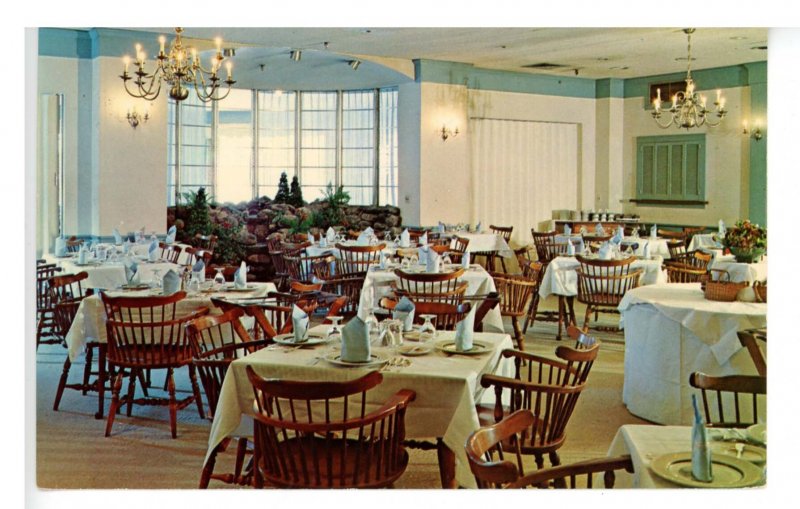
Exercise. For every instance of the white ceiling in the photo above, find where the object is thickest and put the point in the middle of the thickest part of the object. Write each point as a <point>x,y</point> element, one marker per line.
<point>594,52</point>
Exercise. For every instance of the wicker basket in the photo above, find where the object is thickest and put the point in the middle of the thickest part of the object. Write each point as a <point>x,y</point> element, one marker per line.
<point>760,289</point>
<point>722,289</point>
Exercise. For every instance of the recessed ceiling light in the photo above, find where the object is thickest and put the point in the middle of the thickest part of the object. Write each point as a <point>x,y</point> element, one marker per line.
<point>683,59</point>
<point>738,38</point>
<point>602,59</point>
<point>619,68</point>
<point>759,47</point>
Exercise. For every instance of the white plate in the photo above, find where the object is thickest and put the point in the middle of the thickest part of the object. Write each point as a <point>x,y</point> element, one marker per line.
<point>288,339</point>
<point>449,346</point>
<point>336,358</point>
<point>413,350</point>
<point>231,288</point>
<point>757,433</point>
<point>751,453</point>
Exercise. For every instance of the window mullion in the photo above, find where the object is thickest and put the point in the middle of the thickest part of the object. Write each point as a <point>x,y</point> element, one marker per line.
<point>214,158</point>
<point>298,144</point>
<point>339,123</point>
<point>178,148</point>
<point>376,145</point>
<point>254,147</point>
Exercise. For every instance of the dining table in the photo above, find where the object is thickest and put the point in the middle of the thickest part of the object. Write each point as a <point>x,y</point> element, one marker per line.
<point>671,331</point>
<point>737,271</point>
<point>485,242</point>
<point>377,284</point>
<point>110,273</point>
<point>447,388</point>
<point>561,276</point>
<point>704,241</point>
<point>647,444</point>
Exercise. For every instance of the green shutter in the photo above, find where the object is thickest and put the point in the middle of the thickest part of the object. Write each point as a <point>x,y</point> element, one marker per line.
<point>671,167</point>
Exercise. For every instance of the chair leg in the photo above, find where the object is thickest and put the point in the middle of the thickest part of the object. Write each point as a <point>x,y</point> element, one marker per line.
<point>61,384</point>
<point>518,334</point>
<point>532,310</point>
<point>131,390</point>
<point>144,381</point>
<point>208,469</point>
<point>586,317</point>
<point>503,263</point>
<point>560,317</point>
<point>554,459</point>
<point>115,403</point>
<point>173,405</point>
<point>87,368</point>
<point>196,391</point>
<point>241,451</point>
<point>102,376</point>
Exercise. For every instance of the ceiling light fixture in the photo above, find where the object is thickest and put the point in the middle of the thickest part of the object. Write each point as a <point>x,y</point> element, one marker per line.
<point>296,55</point>
<point>180,68</point>
<point>354,64</point>
<point>688,108</point>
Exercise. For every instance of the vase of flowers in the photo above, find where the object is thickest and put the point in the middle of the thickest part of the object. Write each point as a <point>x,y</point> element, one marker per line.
<point>746,241</point>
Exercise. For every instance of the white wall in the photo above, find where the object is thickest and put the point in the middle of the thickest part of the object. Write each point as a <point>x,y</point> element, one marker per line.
<point>727,164</point>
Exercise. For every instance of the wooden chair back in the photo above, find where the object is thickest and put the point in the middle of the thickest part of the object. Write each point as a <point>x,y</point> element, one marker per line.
<point>66,294</point>
<point>458,246</point>
<point>422,283</point>
<point>581,475</point>
<point>207,242</point>
<point>358,258</point>
<point>749,339</point>
<point>503,231</point>
<point>270,318</point>
<point>170,252</point>
<point>516,291</point>
<point>484,303</point>
<point>605,282</point>
<point>533,270</point>
<point>44,272</point>
<point>320,435</point>
<point>195,254</point>
<point>682,273</point>
<point>216,342</point>
<point>446,315</point>
<point>546,246</point>
<point>689,232</point>
<point>74,244</point>
<point>147,332</point>
<point>677,249</point>
<point>305,268</point>
<point>549,388</point>
<point>728,395</point>
<point>347,287</point>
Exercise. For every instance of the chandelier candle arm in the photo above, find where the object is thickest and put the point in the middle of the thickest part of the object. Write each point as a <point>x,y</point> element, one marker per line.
<point>180,69</point>
<point>688,108</point>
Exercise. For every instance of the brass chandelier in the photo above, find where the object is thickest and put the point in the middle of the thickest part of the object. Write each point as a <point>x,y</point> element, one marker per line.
<point>180,69</point>
<point>688,108</point>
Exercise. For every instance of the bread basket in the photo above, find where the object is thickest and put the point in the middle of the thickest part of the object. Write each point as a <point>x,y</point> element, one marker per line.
<point>722,289</point>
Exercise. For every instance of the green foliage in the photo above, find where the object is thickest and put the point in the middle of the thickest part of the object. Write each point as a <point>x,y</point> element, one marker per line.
<point>283,195</point>
<point>197,217</point>
<point>332,214</point>
<point>295,193</point>
<point>229,251</point>
<point>198,220</point>
<point>298,224</point>
<point>746,235</point>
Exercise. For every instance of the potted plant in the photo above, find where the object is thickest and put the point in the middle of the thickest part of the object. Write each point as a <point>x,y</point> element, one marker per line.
<point>746,241</point>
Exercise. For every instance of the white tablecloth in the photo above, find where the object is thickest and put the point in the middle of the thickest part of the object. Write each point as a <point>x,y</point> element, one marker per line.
<point>110,275</point>
<point>703,241</point>
<point>576,238</point>
<point>658,246</point>
<point>748,272</point>
<point>317,250</point>
<point>644,444</point>
<point>479,282</point>
<point>671,331</point>
<point>561,276</point>
<point>447,389</point>
<point>90,319</point>
<point>487,242</point>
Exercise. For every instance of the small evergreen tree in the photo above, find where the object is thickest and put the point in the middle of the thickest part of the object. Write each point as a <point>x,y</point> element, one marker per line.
<point>197,217</point>
<point>296,194</point>
<point>283,195</point>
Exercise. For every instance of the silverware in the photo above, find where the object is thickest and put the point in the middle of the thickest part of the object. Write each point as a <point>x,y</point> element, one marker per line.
<point>739,449</point>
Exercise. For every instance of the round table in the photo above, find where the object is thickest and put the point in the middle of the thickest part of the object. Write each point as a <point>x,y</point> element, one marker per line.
<point>671,331</point>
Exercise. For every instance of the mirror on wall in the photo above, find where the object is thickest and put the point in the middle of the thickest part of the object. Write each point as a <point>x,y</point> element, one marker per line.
<point>50,172</point>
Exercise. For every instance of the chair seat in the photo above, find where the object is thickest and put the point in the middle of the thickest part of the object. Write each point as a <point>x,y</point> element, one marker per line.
<point>486,418</point>
<point>151,356</point>
<point>337,458</point>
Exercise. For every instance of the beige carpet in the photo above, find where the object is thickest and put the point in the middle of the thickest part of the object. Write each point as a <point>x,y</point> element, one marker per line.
<point>73,453</point>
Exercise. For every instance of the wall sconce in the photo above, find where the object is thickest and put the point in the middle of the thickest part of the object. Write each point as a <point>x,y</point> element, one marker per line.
<point>754,133</point>
<point>354,64</point>
<point>447,133</point>
<point>296,55</point>
<point>134,118</point>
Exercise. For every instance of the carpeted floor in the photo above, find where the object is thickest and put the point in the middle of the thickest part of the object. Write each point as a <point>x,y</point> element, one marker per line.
<point>72,452</point>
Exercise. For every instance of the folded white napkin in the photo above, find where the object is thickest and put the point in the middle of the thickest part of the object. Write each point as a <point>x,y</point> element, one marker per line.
<point>464,331</point>
<point>441,227</point>
<point>478,227</point>
<point>583,230</point>
<point>330,234</point>
<point>423,239</point>
<point>117,237</point>
<point>61,246</point>
<point>570,248</point>
<point>382,260</point>
<point>363,238</point>
<point>617,238</point>
<point>355,341</point>
<point>131,271</point>
<point>604,253</point>
<point>721,230</point>
<point>369,231</point>
<point>701,453</point>
<point>598,229</point>
<point>654,231</point>
<point>152,251</point>
<point>299,324</point>
<point>82,254</point>
<point>171,233</point>
<point>405,238</point>
<point>646,250</point>
<point>367,302</point>
<point>404,311</point>
<point>199,271</point>
<point>311,237</point>
<point>432,261</point>
<point>126,247</point>
<point>171,282</point>
<point>323,241</point>
<point>567,230</point>
<point>465,260</point>
<point>240,276</point>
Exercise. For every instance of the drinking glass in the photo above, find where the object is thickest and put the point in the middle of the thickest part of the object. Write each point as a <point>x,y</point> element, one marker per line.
<point>372,323</point>
<point>157,279</point>
<point>219,278</point>
<point>427,332</point>
<point>334,331</point>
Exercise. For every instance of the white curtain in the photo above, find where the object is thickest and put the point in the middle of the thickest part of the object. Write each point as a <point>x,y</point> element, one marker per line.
<point>521,172</point>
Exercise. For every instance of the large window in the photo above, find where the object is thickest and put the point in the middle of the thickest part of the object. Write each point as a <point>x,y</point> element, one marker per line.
<point>345,138</point>
<point>196,154</point>
<point>671,168</point>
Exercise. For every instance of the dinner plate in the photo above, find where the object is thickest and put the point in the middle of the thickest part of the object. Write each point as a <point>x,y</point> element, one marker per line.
<point>288,339</point>
<point>449,346</point>
<point>140,286</point>
<point>374,360</point>
<point>231,288</point>
<point>412,335</point>
<point>757,433</point>
<point>751,453</point>
<point>727,471</point>
<point>87,264</point>
<point>413,350</point>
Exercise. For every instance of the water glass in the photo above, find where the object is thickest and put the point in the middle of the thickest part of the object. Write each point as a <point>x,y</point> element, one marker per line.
<point>219,278</point>
<point>427,332</point>
<point>334,331</point>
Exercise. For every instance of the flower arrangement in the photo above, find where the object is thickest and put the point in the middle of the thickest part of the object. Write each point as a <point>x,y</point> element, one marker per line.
<point>747,241</point>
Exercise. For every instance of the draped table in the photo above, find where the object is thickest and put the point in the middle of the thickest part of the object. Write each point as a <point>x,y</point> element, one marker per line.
<point>671,331</point>
<point>704,241</point>
<point>561,276</point>
<point>447,389</point>
<point>483,242</point>
<point>479,282</point>
<point>645,443</point>
<point>740,272</point>
<point>108,274</point>
<point>658,246</point>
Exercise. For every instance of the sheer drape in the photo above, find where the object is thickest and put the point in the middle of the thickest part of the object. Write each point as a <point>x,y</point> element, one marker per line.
<point>522,171</point>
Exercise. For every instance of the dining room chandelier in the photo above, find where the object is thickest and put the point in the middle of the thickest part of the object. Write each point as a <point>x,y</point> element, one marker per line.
<point>688,108</point>
<point>180,69</point>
